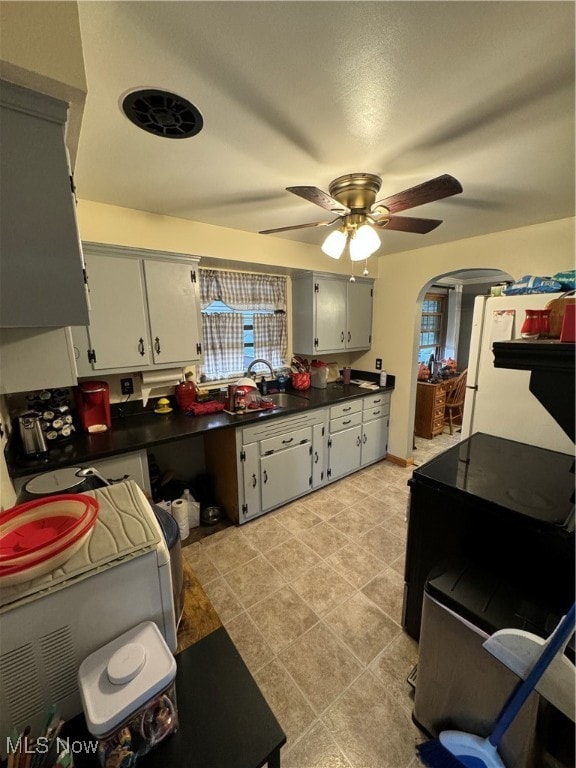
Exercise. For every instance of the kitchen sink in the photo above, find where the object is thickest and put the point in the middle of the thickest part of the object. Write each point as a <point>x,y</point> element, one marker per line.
<point>285,400</point>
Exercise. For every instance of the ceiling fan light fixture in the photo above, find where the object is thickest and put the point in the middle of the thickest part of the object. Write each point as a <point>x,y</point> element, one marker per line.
<point>363,243</point>
<point>334,244</point>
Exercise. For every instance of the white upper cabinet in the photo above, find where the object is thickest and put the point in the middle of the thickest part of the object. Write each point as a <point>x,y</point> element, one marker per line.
<point>331,314</point>
<point>173,306</point>
<point>359,297</point>
<point>145,311</point>
<point>118,331</point>
<point>41,269</point>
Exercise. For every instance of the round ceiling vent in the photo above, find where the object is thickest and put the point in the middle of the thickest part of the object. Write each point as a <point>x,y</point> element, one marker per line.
<point>162,113</point>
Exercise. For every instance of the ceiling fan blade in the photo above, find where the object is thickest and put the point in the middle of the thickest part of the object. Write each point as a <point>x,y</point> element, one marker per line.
<point>299,226</point>
<point>427,192</point>
<point>319,197</point>
<point>409,224</point>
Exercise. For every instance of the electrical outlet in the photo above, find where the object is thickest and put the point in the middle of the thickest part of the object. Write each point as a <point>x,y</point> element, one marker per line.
<point>378,363</point>
<point>127,386</point>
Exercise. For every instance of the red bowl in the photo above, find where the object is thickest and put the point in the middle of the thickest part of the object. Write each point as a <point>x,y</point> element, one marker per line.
<point>38,536</point>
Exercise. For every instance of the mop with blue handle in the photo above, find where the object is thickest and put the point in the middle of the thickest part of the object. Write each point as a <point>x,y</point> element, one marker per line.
<point>454,749</point>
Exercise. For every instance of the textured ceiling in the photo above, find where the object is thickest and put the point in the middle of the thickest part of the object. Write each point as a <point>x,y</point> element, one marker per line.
<point>298,93</point>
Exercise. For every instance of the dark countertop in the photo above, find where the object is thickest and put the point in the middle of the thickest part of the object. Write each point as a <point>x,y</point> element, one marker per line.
<point>144,430</point>
<point>225,721</point>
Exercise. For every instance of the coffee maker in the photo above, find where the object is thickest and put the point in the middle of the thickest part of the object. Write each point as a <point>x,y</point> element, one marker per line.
<point>93,405</point>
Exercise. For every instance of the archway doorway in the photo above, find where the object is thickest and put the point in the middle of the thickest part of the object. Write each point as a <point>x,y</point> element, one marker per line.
<point>446,329</point>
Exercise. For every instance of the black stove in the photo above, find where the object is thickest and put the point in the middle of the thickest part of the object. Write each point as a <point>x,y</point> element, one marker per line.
<point>498,505</point>
<point>519,478</point>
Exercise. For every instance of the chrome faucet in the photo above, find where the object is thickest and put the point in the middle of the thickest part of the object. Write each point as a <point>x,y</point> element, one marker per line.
<point>254,362</point>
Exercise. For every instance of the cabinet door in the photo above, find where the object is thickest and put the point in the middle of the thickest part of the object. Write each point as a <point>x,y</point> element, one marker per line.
<point>36,358</point>
<point>374,440</point>
<point>126,466</point>
<point>117,331</point>
<point>41,270</point>
<point>251,506</point>
<point>285,475</point>
<point>330,321</point>
<point>359,318</point>
<point>318,455</point>
<point>344,452</point>
<point>173,310</point>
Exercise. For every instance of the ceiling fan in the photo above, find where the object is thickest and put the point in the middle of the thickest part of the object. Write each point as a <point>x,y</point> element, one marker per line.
<point>353,199</point>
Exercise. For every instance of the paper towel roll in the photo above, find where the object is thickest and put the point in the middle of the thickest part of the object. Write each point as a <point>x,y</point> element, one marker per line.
<point>159,379</point>
<point>180,514</point>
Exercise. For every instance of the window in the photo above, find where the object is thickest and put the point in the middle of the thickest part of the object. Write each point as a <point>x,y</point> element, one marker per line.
<point>432,327</point>
<point>243,318</point>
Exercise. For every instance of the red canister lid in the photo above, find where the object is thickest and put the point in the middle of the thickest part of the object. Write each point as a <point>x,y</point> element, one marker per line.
<point>93,386</point>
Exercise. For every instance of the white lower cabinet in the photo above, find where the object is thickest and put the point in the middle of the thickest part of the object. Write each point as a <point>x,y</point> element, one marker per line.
<point>286,474</point>
<point>375,422</point>
<point>345,439</point>
<point>115,469</point>
<point>265,465</point>
<point>126,466</point>
<point>319,452</point>
<point>374,440</point>
<point>250,482</point>
<point>276,461</point>
<point>344,448</point>
<point>358,434</point>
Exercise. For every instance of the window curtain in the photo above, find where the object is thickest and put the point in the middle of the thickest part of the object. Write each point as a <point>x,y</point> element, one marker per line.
<point>243,291</point>
<point>223,337</point>
<point>271,339</point>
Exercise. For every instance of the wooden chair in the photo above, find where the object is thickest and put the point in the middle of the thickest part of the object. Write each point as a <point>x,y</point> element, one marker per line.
<point>455,401</point>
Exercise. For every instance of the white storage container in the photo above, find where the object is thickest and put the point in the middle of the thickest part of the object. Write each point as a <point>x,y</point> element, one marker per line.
<point>129,695</point>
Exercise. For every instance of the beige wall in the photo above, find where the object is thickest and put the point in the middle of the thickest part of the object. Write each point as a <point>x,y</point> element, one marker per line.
<point>104,223</point>
<point>541,249</point>
<point>41,49</point>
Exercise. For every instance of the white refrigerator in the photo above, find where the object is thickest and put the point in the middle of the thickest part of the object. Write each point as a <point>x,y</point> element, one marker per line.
<point>498,400</point>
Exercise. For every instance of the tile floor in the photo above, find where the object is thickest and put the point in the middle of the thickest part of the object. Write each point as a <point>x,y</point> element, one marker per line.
<point>311,595</point>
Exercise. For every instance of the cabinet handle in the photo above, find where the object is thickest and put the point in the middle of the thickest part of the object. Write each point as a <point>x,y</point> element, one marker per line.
<point>358,441</point>
<point>375,402</point>
<point>342,336</point>
<point>287,442</point>
<point>265,476</point>
<point>375,413</point>
<point>349,336</point>
<point>345,410</point>
<point>141,346</point>
<point>364,438</point>
<point>254,481</point>
<point>348,421</point>
<point>316,457</point>
<point>157,345</point>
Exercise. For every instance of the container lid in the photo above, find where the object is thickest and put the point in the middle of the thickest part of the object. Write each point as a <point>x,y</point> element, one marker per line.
<point>117,679</point>
<point>56,481</point>
<point>93,386</point>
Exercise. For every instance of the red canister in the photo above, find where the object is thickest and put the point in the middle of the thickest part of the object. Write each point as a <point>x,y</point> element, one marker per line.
<point>186,393</point>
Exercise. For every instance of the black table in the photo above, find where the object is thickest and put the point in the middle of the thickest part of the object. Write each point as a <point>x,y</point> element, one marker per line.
<point>225,722</point>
